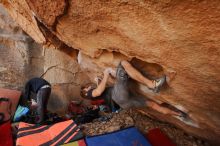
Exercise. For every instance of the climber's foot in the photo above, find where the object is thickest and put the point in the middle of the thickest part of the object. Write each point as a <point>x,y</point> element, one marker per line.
<point>158,83</point>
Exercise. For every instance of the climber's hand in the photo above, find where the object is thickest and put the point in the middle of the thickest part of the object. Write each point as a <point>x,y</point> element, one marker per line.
<point>98,80</point>
<point>108,71</point>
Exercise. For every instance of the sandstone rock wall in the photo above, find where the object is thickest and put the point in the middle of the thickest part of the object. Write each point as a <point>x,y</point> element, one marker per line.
<point>21,58</point>
<point>20,55</point>
<point>64,73</point>
<point>178,38</point>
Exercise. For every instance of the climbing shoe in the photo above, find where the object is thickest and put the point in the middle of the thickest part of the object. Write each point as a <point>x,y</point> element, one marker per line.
<point>158,84</point>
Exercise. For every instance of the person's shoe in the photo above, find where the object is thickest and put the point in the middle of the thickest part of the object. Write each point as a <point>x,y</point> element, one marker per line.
<point>183,115</point>
<point>158,84</point>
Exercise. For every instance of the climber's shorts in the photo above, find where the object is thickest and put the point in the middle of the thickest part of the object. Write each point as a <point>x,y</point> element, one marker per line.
<point>121,93</point>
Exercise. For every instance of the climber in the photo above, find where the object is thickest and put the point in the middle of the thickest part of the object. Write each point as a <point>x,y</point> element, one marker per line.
<point>119,96</point>
<point>38,103</point>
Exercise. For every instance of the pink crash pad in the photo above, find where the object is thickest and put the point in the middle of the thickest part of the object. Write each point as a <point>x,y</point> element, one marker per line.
<point>14,97</point>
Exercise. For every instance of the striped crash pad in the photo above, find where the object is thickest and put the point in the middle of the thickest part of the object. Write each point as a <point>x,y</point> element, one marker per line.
<point>126,137</point>
<point>47,135</point>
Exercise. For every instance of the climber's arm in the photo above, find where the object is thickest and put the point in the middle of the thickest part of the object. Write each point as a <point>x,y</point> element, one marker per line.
<point>101,87</point>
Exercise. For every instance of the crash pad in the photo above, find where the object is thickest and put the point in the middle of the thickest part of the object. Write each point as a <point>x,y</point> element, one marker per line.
<point>157,138</point>
<point>76,143</point>
<point>126,137</point>
<point>6,134</point>
<point>13,96</point>
<point>44,135</point>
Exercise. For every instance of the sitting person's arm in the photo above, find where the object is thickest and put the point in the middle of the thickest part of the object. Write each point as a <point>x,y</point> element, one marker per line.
<point>101,87</point>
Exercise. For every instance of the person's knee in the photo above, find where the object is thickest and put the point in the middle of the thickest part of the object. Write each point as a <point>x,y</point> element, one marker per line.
<point>125,63</point>
<point>153,105</point>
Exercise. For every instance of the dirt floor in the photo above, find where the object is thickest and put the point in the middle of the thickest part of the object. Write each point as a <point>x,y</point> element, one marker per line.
<point>127,118</point>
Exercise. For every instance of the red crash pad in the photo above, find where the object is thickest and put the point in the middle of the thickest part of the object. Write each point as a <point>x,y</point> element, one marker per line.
<point>6,134</point>
<point>157,138</point>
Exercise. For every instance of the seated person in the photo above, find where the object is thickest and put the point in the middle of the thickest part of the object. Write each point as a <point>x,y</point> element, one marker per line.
<point>119,95</point>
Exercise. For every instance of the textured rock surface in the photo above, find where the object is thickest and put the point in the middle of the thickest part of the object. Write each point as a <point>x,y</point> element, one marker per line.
<point>63,72</point>
<point>20,56</point>
<point>21,59</point>
<point>54,8</point>
<point>178,38</point>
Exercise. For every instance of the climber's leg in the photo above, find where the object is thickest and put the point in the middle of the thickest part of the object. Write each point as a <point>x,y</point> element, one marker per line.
<point>161,109</point>
<point>136,75</point>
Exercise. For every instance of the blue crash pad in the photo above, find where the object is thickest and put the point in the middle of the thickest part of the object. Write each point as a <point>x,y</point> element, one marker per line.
<point>126,137</point>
